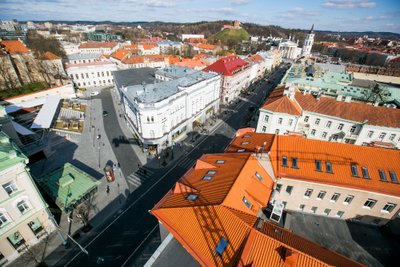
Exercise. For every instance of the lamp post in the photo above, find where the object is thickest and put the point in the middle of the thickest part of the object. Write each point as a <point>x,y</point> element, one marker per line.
<point>94,133</point>
<point>99,153</point>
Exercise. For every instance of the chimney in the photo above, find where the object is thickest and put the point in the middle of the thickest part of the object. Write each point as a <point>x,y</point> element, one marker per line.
<point>347,99</point>
<point>339,98</point>
<point>376,103</point>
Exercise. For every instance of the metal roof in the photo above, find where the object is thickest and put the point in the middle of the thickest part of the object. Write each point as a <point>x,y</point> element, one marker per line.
<point>46,114</point>
<point>133,77</point>
<point>21,129</point>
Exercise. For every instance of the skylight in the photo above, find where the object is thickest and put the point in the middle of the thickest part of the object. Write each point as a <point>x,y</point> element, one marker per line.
<point>220,161</point>
<point>382,176</point>
<point>221,246</point>
<point>192,197</point>
<point>212,172</point>
<point>393,177</point>
<point>207,177</point>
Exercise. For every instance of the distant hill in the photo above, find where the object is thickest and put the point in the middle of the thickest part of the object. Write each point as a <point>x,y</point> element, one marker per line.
<point>230,36</point>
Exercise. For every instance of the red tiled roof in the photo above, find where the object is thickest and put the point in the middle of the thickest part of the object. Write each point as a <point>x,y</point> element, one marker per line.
<point>228,66</point>
<point>133,60</point>
<point>277,102</point>
<point>251,142</point>
<point>50,56</point>
<point>207,46</point>
<point>98,45</point>
<point>256,58</point>
<point>149,46</point>
<point>120,54</point>
<point>14,46</point>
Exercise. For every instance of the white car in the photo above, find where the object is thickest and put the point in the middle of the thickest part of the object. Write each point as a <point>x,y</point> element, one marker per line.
<point>94,93</point>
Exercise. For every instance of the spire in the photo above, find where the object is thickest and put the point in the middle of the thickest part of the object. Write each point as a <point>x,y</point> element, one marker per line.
<point>312,29</point>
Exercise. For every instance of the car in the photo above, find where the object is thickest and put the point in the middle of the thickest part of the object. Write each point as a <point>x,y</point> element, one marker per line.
<point>105,113</point>
<point>94,93</point>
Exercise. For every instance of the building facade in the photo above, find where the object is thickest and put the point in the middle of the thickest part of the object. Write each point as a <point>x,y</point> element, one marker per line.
<point>24,217</point>
<point>160,114</point>
<point>92,74</point>
<point>308,43</point>
<point>235,74</point>
<point>287,110</point>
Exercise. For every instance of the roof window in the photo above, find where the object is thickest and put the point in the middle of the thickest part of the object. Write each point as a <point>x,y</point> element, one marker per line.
<point>382,176</point>
<point>246,136</point>
<point>207,177</point>
<point>318,166</point>
<point>365,173</point>
<point>393,177</point>
<point>212,172</point>
<point>241,150</point>
<point>354,170</point>
<point>245,143</point>
<point>328,166</point>
<point>192,197</point>
<point>221,246</point>
<point>220,161</point>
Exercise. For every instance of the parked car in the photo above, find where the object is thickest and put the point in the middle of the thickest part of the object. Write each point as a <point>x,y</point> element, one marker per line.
<point>105,113</point>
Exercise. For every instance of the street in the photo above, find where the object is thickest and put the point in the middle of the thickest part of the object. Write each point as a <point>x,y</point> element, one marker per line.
<point>113,244</point>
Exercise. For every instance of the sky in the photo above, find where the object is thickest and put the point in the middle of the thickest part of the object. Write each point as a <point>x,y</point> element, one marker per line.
<point>335,15</point>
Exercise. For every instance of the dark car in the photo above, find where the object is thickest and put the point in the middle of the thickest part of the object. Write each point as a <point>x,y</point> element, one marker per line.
<point>105,113</point>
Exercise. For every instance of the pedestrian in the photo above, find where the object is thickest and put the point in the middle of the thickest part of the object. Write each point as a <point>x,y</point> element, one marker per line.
<point>138,165</point>
<point>144,171</point>
<point>108,189</point>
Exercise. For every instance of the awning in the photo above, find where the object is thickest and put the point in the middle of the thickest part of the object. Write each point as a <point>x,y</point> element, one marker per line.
<point>46,114</point>
<point>21,129</point>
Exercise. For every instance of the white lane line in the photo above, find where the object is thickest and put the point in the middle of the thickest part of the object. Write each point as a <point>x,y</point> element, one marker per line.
<point>141,196</point>
<point>144,240</point>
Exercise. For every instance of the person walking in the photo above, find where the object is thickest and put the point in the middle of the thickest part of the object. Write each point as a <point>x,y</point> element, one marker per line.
<point>108,190</point>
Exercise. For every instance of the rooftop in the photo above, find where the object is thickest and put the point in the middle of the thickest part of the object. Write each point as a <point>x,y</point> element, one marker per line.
<point>14,46</point>
<point>98,45</point>
<point>152,93</point>
<point>175,72</point>
<point>228,66</point>
<point>67,185</point>
<point>9,153</point>
<point>132,77</point>
<point>78,56</point>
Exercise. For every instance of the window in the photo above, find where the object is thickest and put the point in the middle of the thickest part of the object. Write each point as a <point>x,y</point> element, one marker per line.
<point>241,150</point>
<point>277,131</point>
<point>335,137</point>
<point>192,197</point>
<point>10,187</point>
<point>348,199</point>
<point>328,124</point>
<point>313,132</point>
<point>207,177</point>
<point>354,170</point>
<point>340,127</point>
<point>340,214</point>
<point>245,143</point>
<point>35,226</point>
<point>284,161</point>
<point>327,211</point>
<point>314,209</point>
<point>301,207</point>
<point>353,129</point>
<point>278,187</point>
<point>280,121</point>
<point>365,172</point>
<point>22,206</point>
<point>16,240</point>
<point>324,134</point>
<point>306,118</point>
<point>294,163</point>
<point>308,193</point>
<point>328,166</point>
<point>389,207</point>
<point>220,161</point>
<point>3,219</point>
<point>370,134</point>
<point>321,194</point>
<point>317,121</point>
<point>370,203</point>
<point>391,137</point>
<point>382,136</point>
<point>264,129</point>
<point>221,247</point>
<point>289,189</point>
<point>335,197</point>
<point>212,172</point>
<point>259,177</point>
<point>266,118</point>
<point>393,177</point>
<point>318,166</point>
<point>290,122</point>
<point>87,75</point>
<point>382,176</point>
<point>247,203</point>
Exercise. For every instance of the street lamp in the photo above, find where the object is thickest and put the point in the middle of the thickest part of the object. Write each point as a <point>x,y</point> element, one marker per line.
<point>99,154</point>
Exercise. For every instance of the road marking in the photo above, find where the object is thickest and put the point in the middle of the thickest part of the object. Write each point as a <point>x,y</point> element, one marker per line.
<point>142,195</point>
<point>144,240</point>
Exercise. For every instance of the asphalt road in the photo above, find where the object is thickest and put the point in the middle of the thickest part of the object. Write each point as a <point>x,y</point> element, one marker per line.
<point>126,232</point>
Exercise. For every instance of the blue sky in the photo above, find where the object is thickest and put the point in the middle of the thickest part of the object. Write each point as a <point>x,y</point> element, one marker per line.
<point>337,15</point>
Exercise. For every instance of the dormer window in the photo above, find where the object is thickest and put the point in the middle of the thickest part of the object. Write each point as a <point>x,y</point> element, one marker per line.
<point>207,177</point>
<point>294,163</point>
<point>241,150</point>
<point>328,166</point>
<point>318,166</point>
<point>245,143</point>
<point>211,172</point>
<point>220,161</point>
<point>192,197</point>
<point>365,172</point>
<point>393,177</point>
<point>284,161</point>
<point>354,170</point>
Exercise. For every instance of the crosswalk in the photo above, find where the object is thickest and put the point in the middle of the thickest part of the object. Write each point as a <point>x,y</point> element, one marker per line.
<point>186,162</point>
<point>138,177</point>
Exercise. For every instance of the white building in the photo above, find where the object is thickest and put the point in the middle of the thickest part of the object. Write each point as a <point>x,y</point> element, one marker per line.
<point>78,58</point>
<point>149,49</point>
<point>326,118</point>
<point>235,76</point>
<point>173,72</point>
<point>162,113</point>
<point>24,217</point>
<point>91,74</point>
<point>70,48</point>
<point>104,48</point>
<point>308,43</point>
<point>192,36</point>
<point>289,49</point>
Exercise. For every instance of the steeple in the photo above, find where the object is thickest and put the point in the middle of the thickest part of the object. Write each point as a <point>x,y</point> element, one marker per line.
<point>312,29</point>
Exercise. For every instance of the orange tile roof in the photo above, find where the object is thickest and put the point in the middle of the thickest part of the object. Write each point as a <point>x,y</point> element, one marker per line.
<point>255,58</point>
<point>120,54</point>
<point>271,245</point>
<point>133,60</point>
<point>192,63</point>
<point>50,56</point>
<point>98,45</point>
<point>14,46</point>
<point>277,102</point>
<point>207,46</point>
<point>251,141</point>
<point>354,111</point>
<point>219,212</point>
<point>341,156</point>
<point>173,60</point>
<point>149,46</point>
<point>130,47</point>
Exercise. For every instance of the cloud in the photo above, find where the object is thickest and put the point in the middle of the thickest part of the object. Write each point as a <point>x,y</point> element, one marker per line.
<point>346,4</point>
<point>240,2</point>
<point>298,12</point>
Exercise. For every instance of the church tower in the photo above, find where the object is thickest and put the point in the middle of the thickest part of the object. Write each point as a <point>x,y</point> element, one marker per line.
<point>308,42</point>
